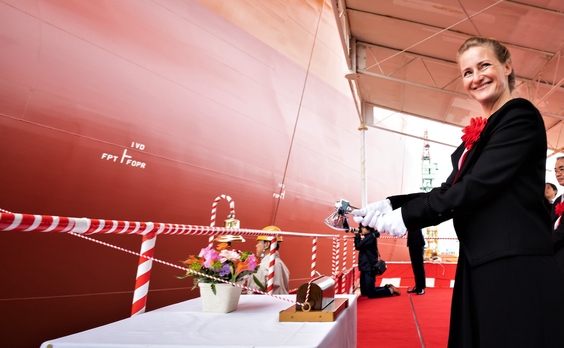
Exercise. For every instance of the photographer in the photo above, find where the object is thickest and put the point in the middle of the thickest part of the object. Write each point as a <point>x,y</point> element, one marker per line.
<point>365,242</point>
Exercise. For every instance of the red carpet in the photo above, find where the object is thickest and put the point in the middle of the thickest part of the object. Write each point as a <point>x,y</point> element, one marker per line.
<point>390,321</point>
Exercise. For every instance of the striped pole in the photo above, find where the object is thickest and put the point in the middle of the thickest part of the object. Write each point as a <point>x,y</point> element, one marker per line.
<point>214,210</point>
<point>345,244</point>
<point>353,269</point>
<point>333,259</point>
<point>353,257</point>
<point>337,252</point>
<point>143,274</point>
<point>270,279</point>
<point>313,257</point>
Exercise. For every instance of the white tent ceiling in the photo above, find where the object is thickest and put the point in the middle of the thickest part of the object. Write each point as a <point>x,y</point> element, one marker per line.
<point>402,55</point>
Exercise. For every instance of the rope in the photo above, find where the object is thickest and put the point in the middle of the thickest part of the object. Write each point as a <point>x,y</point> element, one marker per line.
<point>43,223</point>
<point>282,184</point>
<point>182,268</point>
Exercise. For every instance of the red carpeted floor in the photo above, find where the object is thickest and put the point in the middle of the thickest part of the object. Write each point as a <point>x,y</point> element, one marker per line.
<point>398,321</point>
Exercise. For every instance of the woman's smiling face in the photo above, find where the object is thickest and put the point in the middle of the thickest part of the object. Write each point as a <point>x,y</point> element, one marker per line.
<point>484,77</point>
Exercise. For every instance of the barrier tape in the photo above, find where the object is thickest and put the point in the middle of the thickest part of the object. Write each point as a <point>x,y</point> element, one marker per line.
<point>182,268</point>
<point>45,223</point>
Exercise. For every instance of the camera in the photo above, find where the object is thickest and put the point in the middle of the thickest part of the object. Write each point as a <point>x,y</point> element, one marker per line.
<point>359,229</point>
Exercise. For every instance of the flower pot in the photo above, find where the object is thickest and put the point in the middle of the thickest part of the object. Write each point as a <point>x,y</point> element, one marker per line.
<point>225,299</point>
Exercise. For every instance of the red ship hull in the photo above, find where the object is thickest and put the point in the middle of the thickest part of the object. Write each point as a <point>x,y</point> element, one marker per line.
<point>147,111</point>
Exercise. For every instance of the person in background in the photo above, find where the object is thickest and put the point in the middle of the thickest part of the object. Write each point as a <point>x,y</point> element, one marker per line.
<point>416,247</point>
<point>556,215</point>
<point>281,272</point>
<point>495,196</point>
<point>550,192</point>
<point>366,243</point>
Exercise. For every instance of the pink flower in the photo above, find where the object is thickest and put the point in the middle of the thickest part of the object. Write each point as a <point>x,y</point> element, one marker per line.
<point>224,263</point>
<point>210,256</point>
<point>229,255</point>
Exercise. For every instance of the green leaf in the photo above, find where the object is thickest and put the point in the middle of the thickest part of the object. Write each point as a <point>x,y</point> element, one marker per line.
<point>257,282</point>
<point>213,289</point>
<point>188,274</point>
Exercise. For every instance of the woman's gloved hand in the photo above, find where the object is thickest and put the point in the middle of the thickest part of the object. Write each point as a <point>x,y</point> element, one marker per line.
<point>392,223</point>
<point>368,216</point>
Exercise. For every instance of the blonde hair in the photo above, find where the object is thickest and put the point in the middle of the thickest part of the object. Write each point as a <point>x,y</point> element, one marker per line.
<point>501,52</point>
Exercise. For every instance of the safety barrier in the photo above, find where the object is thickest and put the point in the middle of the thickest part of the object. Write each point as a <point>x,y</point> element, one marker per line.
<point>149,230</point>
<point>344,279</point>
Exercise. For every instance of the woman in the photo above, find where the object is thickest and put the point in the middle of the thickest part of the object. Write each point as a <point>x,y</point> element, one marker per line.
<point>495,196</point>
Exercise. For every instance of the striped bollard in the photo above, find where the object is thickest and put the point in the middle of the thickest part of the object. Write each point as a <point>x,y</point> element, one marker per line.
<point>272,260</point>
<point>343,285</point>
<point>335,264</point>
<point>353,257</point>
<point>353,268</point>
<point>333,259</point>
<point>337,258</point>
<point>143,274</point>
<point>313,257</point>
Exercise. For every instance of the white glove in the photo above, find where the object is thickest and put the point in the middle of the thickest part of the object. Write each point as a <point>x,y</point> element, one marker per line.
<point>392,223</point>
<point>368,215</point>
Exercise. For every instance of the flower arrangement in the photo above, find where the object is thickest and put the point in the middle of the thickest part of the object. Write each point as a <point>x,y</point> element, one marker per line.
<point>222,263</point>
<point>472,131</point>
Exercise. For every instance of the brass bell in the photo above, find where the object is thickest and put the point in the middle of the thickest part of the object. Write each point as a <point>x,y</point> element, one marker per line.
<point>231,222</point>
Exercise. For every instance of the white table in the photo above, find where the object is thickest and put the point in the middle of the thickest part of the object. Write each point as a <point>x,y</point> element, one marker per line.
<point>254,324</point>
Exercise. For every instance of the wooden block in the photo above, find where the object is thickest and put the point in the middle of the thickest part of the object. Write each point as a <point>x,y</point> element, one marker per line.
<point>330,313</point>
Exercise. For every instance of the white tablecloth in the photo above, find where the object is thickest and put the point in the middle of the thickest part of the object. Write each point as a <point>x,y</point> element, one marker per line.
<point>254,324</point>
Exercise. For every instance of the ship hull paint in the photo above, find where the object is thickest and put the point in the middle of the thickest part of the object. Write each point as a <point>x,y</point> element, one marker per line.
<point>147,111</point>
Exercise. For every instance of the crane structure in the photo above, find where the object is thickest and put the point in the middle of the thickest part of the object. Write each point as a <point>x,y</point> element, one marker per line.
<point>428,171</point>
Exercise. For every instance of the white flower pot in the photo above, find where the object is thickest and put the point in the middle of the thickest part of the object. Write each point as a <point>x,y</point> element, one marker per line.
<point>225,299</point>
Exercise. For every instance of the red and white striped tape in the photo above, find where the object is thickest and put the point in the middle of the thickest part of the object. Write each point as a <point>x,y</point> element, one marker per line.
<point>46,223</point>
<point>43,223</point>
<point>183,268</point>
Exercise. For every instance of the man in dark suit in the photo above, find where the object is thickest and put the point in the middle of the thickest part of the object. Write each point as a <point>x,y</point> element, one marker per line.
<point>550,192</point>
<point>416,246</point>
<point>558,224</point>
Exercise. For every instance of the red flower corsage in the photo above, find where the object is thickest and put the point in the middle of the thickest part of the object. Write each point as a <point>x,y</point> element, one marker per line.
<point>559,209</point>
<point>472,131</point>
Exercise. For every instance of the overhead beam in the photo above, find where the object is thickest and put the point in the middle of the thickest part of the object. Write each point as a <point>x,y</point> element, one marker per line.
<point>410,83</point>
<point>507,44</point>
<point>453,64</point>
